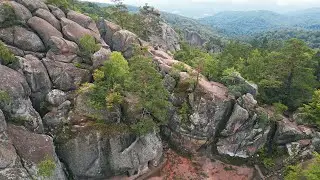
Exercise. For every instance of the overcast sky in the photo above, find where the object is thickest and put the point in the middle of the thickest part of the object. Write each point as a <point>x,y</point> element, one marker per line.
<point>198,8</point>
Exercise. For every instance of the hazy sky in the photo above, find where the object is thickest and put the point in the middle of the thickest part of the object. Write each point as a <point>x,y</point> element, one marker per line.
<point>198,8</point>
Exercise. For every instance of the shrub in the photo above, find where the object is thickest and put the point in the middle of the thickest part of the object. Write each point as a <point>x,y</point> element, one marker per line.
<point>6,56</point>
<point>143,127</point>
<point>311,172</point>
<point>280,108</point>
<point>87,46</point>
<point>46,167</point>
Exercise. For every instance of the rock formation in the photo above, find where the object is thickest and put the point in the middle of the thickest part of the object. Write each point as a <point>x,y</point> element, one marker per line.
<point>45,122</point>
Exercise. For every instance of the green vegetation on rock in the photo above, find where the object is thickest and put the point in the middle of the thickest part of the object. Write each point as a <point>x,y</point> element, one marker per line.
<point>87,46</point>
<point>6,56</point>
<point>311,171</point>
<point>46,167</point>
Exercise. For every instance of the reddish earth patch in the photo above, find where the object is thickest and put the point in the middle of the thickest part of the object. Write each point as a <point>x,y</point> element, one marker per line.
<point>200,168</point>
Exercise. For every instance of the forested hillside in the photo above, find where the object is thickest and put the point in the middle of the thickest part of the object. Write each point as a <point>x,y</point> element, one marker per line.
<point>238,23</point>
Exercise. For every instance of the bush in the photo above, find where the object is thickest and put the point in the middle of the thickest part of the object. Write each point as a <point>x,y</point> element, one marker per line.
<point>311,172</point>
<point>46,168</point>
<point>88,46</point>
<point>6,56</point>
<point>280,108</point>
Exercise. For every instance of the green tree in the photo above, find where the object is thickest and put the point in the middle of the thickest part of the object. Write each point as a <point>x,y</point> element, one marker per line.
<point>146,83</point>
<point>311,111</point>
<point>109,82</point>
<point>120,13</point>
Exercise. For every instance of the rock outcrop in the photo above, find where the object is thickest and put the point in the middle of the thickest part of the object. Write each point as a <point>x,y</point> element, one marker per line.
<point>95,154</point>
<point>40,95</point>
<point>193,38</point>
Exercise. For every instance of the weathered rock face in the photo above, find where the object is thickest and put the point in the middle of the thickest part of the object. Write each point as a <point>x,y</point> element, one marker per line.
<point>124,41</point>
<point>244,133</point>
<point>290,132</point>
<point>168,40</point>
<point>20,11</point>
<point>18,106</point>
<point>50,18</point>
<point>22,38</point>
<point>37,78</point>
<point>43,28</point>
<point>93,154</point>
<point>10,162</point>
<point>33,5</point>
<point>35,149</point>
<point>66,76</point>
<point>100,57</point>
<point>3,124</point>
<point>74,32</point>
<point>193,38</point>
<point>62,50</point>
<point>83,20</point>
<point>107,29</point>
<point>58,13</point>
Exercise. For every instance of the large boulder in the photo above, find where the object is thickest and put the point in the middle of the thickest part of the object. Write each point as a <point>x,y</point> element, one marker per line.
<point>288,132</point>
<point>124,41</point>
<point>167,39</point>
<point>58,13</point>
<point>27,40</point>
<point>62,50</point>
<point>22,38</point>
<point>37,78</point>
<point>246,131</point>
<point>7,35</point>
<point>33,5</point>
<point>99,153</point>
<point>107,29</point>
<point>50,18</point>
<point>74,32</point>
<point>66,76</point>
<point>56,97</point>
<point>43,28</point>
<point>99,57</point>
<point>83,20</point>
<point>16,104</point>
<point>20,11</point>
<point>59,108</point>
<point>37,153</point>
<point>10,162</point>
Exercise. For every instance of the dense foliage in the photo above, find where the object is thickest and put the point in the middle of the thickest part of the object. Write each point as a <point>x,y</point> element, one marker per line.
<point>243,23</point>
<point>118,80</point>
<point>310,172</point>
<point>87,46</point>
<point>285,75</point>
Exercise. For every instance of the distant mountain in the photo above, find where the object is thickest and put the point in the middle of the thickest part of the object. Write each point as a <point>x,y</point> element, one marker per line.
<point>243,23</point>
<point>188,24</point>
